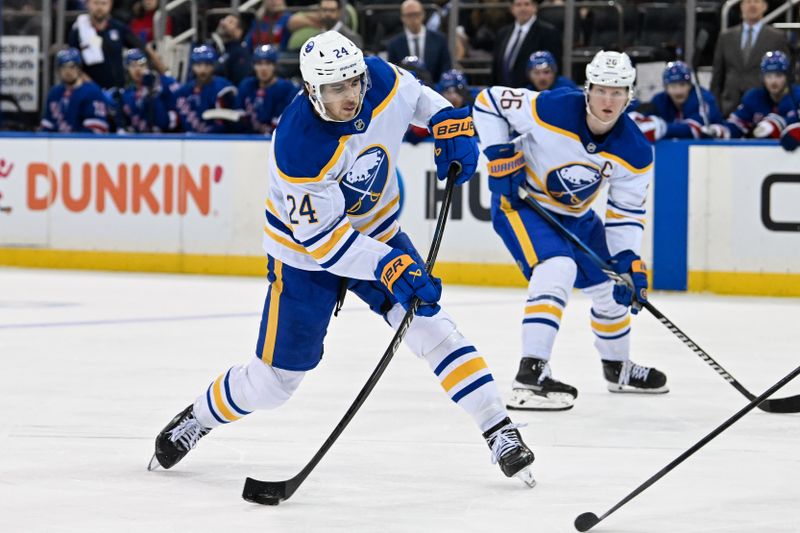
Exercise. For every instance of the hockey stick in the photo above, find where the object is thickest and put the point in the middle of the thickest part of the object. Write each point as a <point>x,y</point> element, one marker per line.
<point>779,405</point>
<point>586,521</point>
<point>274,492</point>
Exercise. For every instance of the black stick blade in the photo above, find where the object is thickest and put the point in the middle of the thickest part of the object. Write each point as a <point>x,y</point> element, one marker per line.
<point>586,521</point>
<point>781,405</point>
<point>264,492</point>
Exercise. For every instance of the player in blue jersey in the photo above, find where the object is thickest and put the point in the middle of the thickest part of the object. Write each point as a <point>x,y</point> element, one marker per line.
<point>571,144</point>
<point>543,73</point>
<point>77,104</point>
<point>263,97</point>
<point>454,87</point>
<point>331,223</point>
<point>149,102</point>
<point>204,93</point>
<point>765,111</point>
<point>675,112</point>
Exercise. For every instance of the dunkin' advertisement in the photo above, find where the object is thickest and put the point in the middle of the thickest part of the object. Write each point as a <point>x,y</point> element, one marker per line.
<point>156,195</point>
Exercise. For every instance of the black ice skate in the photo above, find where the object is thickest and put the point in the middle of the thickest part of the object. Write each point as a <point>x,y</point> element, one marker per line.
<point>509,451</point>
<point>175,440</point>
<point>627,376</point>
<point>535,390</point>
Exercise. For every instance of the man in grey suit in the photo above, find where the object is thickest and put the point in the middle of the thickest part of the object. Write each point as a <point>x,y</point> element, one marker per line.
<point>738,55</point>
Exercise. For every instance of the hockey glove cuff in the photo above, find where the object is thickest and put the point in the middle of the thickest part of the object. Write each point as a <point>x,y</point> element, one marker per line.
<point>405,279</point>
<point>454,142</point>
<point>506,171</point>
<point>790,137</point>
<point>632,290</point>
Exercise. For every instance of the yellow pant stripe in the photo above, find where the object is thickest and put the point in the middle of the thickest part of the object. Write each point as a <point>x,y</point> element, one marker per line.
<point>611,328</point>
<point>463,371</point>
<point>219,404</point>
<point>519,230</point>
<point>272,320</point>
<point>544,308</point>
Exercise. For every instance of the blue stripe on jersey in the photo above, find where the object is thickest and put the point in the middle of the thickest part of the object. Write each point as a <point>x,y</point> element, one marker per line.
<point>618,224</point>
<point>472,386</point>
<point>489,113</point>
<point>544,321</point>
<point>555,299</point>
<point>211,407</point>
<point>613,337</point>
<point>491,99</point>
<point>604,317</point>
<point>386,224</point>
<point>633,211</point>
<point>452,357</point>
<point>316,238</point>
<point>276,223</point>
<point>230,399</point>
<point>342,250</point>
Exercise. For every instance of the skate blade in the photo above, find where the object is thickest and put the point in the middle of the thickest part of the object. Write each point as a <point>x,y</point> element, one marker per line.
<point>526,476</point>
<point>627,389</point>
<point>527,400</point>
<point>153,464</point>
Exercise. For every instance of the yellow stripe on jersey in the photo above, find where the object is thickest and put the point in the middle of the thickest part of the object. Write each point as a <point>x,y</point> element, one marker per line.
<point>391,232</point>
<point>271,209</point>
<point>275,290</point>
<point>519,230</point>
<point>465,370</point>
<point>611,328</point>
<point>219,404</point>
<point>325,169</point>
<point>385,209</point>
<point>544,308</point>
<point>616,216</point>
<point>554,129</point>
<point>336,236</point>
<point>377,111</point>
<point>293,246</point>
<point>625,164</point>
<point>482,99</point>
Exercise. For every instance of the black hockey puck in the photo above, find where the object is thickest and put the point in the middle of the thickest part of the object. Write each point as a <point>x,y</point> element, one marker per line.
<point>586,521</point>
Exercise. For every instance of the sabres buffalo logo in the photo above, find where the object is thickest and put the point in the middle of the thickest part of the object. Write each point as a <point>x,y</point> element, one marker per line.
<point>363,184</point>
<point>574,183</point>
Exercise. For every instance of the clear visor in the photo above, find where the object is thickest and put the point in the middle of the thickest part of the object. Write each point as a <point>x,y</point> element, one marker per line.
<point>352,89</point>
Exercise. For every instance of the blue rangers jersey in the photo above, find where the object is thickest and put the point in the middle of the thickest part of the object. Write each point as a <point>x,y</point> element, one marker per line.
<point>685,122</point>
<point>78,110</point>
<point>191,100</point>
<point>263,106</point>
<point>151,109</point>
<point>565,165</point>
<point>757,105</point>
<point>333,197</point>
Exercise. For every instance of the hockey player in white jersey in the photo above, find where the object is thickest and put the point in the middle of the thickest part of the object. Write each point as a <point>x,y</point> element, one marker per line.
<point>331,219</point>
<point>569,146</point>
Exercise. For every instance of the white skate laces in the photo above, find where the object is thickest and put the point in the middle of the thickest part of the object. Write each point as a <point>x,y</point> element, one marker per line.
<point>188,432</point>
<point>505,440</point>
<point>632,370</point>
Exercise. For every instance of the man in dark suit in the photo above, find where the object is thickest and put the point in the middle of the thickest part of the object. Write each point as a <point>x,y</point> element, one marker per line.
<point>416,40</point>
<point>516,42</point>
<point>738,55</point>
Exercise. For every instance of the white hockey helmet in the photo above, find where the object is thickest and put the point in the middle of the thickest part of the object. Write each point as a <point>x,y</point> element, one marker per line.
<point>613,69</point>
<point>327,58</point>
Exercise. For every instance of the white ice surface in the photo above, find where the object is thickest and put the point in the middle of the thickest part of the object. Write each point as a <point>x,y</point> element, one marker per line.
<point>93,365</point>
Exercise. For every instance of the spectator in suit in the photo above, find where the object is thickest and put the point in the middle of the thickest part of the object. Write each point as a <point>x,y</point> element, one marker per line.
<point>516,42</point>
<point>738,55</point>
<point>416,40</point>
<point>235,63</point>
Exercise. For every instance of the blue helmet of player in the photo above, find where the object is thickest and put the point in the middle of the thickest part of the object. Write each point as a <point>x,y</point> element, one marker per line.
<point>775,61</point>
<point>265,52</point>
<point>542,59</point>
<point>203,54</point>
<point>452,79</point>
<point>676,72</point>
<point>70,55</point>
<point>135,56</point>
